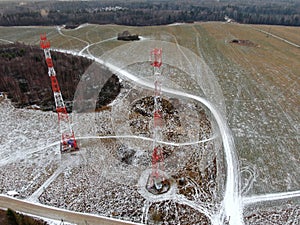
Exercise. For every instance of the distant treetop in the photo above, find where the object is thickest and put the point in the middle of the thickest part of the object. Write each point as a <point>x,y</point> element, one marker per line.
<point>146,12</point>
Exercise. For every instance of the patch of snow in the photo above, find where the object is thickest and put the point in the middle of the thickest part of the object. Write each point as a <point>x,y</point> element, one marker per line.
<point>13,193</point>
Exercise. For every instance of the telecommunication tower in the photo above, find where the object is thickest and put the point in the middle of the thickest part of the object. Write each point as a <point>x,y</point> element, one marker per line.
<point>68,141</point>
<point>157,183</point>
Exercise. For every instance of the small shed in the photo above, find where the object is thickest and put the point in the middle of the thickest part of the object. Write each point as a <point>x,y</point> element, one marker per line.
<point>127,36</point>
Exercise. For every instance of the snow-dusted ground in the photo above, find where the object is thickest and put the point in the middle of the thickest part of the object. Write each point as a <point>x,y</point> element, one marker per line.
<point>28,153</point>
<point>98,168</point>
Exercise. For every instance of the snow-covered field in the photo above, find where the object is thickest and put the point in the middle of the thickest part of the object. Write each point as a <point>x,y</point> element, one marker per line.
<point>29,153</point>
<point>96,180</point>
<point>105,177</point>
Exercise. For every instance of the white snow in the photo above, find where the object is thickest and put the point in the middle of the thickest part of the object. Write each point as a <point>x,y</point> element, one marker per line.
<point>13,193</point>
<point>32,137</point>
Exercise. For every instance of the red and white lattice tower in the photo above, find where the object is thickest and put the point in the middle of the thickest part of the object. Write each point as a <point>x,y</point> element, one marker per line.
<point>68,141</point>
<point>157,178</point>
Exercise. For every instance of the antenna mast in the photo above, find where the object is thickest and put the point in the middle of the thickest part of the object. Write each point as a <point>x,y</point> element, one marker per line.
<point>157,183</point>
<point>68,141</point>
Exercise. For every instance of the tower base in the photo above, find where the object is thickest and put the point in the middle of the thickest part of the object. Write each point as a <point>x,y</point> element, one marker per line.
<point>65,148</point>
<point>157,186</point>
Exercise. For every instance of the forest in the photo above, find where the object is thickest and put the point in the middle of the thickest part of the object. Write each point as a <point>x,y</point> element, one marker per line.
<point>146,12</point>
<point>24,77</point>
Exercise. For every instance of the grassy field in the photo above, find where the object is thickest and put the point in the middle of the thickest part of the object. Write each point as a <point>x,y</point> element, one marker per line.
<point>262,101</point>
<point>260,84</point>
<point>289,33</point>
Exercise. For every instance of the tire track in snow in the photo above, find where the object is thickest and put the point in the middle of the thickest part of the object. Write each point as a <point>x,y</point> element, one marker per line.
<point>270,197</point>
<point>232,203</point>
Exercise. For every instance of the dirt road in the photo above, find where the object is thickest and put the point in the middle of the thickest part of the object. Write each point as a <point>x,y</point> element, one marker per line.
<point>56,213</point>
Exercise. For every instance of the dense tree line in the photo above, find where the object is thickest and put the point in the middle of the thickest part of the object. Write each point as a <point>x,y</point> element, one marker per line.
<point>24,75</point>
<point>146,12</point>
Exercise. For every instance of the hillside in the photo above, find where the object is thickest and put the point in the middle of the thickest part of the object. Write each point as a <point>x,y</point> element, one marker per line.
<point>24,77</point>
<point>256,68</point>
<point>10,217</point>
